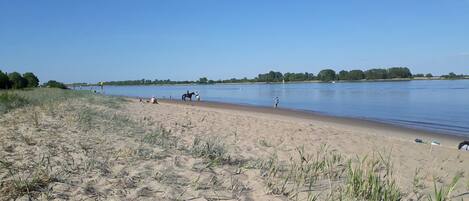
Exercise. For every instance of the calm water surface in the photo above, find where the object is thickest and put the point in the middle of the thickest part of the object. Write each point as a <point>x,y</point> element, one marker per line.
<point>441,106</point>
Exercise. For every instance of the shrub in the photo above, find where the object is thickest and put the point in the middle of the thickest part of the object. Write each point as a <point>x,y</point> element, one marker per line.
<point>17,81</point>
<point>55,84</point>
<point>32,80</point>
<point>4,81</point>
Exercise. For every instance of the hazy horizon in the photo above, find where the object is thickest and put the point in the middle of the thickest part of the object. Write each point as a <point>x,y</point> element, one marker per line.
<point>91,41</point>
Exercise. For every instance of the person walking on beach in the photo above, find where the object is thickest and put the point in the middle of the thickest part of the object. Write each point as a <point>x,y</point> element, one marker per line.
<point>276,101</point>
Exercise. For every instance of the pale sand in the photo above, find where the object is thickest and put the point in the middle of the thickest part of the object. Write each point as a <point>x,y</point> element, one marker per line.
<point>95,151</point>
<point>245,127</point>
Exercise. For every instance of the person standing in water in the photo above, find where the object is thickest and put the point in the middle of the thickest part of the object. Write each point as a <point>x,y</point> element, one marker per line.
<point>101,84</point>
<point>276,101</point>
<point>197,95</point>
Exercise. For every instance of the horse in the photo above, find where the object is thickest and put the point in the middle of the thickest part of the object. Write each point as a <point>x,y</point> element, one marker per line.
<point>187,95</point>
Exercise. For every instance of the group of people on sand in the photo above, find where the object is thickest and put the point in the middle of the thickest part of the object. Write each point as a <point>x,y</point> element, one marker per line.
<point>154,100</point>
<point>188,94</point>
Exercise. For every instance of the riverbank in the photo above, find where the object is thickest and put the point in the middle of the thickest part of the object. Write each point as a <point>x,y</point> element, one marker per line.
<point>63,144</point>
<point>447,139</point>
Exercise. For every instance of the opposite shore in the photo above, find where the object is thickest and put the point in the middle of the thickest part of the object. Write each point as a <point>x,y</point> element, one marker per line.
<point>289,82</point>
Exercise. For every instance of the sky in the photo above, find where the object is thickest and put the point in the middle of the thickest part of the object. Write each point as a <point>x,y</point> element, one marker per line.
<point>104,40</point>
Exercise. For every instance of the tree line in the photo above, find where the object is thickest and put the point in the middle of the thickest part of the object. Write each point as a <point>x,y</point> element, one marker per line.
<point>16,80</point>
<point>326,75</point>
<point>273,76</point>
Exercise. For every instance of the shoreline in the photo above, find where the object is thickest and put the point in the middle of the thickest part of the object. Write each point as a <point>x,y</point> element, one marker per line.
<point>289,82</point>
<point>367,124</point>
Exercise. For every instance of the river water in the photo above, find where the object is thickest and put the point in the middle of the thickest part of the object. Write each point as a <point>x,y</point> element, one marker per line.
<point>436,105</point>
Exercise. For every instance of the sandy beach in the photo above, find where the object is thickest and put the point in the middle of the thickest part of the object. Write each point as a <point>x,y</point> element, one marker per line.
<point>287,129</point>
<point>110,148</point>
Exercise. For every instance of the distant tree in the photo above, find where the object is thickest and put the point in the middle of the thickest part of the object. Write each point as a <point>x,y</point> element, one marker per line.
<point>309,76</point>
<point>418,75</point>
<point>399,72</point>
<point>32,80</point>
<point>17,81</point>
<point>202,80</point>
<point>272,76</point>
<point>327,75</point>
<point>344,75</point>
<point>376,73</point>
<point>452,75</point>
<point>356,75</point>
<point>428,75</point>
<point>4,81</point>
<point>55,84</point>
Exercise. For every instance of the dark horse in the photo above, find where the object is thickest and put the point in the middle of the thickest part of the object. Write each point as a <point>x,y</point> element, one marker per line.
<point>187,95</point>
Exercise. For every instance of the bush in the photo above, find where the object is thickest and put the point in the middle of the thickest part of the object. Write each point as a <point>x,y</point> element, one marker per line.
<point>31,79</point>
<point>17,81</point>
<point>4,81</point>
<point>55,84</point>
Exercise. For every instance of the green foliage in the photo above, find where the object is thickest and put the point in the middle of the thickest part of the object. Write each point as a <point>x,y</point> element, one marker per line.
<point>399,72</point>
<point>203,80</point>
<point>428,75</point>
<point>4,81</point>
<point>444,192</point>
<point>371,179</point>
<point>55,84</point>
<point>211,149</point>
<point>298,76</point>
<point>272,76</point>
<point>453,76</point>
<point>375,74</point>
<point>351,75</point>
<point>9,101</point>
<point>327,75</point>
<point>356,75</point>
<point>343,75</point>
<point>17,81</point>
<point>31,79</point>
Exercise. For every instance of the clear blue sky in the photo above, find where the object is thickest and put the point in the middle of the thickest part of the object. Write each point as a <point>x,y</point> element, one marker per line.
<point>93,40</point>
